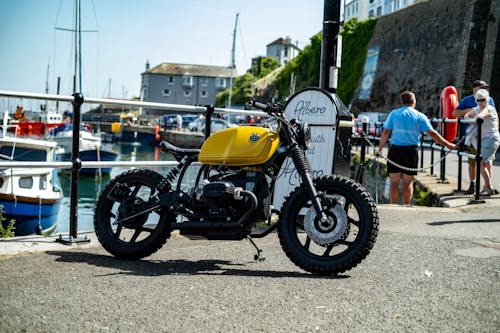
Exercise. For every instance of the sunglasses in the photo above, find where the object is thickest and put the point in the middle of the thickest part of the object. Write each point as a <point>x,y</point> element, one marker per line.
<point>480,100</point>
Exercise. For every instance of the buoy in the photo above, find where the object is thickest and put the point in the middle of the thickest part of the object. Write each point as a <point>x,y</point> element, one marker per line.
<point>449,101</point>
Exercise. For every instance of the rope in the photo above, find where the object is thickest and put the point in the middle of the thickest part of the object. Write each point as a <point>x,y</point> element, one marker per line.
<point>365,137</point>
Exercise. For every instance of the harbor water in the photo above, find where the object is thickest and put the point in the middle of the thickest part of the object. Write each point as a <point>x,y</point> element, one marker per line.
<point>89,187</point>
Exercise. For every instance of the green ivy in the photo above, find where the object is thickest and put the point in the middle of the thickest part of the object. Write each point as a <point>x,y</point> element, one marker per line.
<point>355,38</point>
<point>422,196</point>
<point>8,231</point>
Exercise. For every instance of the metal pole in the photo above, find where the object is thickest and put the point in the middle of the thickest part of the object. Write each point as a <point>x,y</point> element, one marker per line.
<point>75,170</point>
<point>460,136</point>
<point>442,156</point>
<point>208,120</point>
<point>331,45</point>
<point>359,176</point>
<point>421,150</point>
<point>477,199</point>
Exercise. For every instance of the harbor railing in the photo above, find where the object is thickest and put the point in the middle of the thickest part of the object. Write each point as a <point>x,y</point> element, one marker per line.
<point>367,139</point>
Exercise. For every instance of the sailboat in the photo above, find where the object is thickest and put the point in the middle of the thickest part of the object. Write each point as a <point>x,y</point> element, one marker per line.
<point>91,148</point>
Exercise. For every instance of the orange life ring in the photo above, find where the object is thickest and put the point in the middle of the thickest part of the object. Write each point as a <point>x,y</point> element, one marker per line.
<point>449,101</point>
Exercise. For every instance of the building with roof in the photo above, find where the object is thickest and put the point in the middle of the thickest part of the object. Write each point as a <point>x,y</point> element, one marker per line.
<point>364,9</point>
<point>283,50</point>
<point>184,84</point>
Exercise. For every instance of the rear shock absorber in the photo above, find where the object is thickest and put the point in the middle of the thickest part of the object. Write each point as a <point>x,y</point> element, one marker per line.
<point>166,183</point>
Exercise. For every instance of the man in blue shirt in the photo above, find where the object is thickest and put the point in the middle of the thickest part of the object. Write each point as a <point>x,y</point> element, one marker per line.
<point>465,106</point>
<point>404,126</point>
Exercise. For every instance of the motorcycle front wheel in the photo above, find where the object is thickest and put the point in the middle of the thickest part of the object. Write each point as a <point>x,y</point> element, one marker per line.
<point>334,246</point>
<point>120,223</point>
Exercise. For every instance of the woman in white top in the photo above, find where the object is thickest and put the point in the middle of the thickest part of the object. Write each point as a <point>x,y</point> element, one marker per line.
<point>490,138</point>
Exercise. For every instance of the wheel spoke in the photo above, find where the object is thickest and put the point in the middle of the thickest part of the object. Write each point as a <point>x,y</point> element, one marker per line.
<point>328,249</point>
<point>307,243</point>
<point>118,231</point>
<point>135,235</point>
<point>347,204</point>
<point>353,221</point>
<point>136,190</point>
<point>300,225</point>
<point>343,242</point>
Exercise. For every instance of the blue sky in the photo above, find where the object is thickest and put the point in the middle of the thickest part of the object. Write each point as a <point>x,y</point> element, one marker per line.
<point>133,31</point>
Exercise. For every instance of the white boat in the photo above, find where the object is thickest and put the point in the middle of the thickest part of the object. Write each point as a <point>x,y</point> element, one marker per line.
<point>90,145</point>
<point>30,196</point>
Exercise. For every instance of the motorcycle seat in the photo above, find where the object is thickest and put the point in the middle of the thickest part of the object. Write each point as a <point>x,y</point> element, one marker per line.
<point>168,147</point>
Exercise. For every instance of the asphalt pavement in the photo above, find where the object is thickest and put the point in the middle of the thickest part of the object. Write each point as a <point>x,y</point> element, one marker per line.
<point>432,269</point>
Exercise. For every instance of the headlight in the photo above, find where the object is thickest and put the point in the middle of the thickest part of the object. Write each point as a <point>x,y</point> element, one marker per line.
<point>304,136</point>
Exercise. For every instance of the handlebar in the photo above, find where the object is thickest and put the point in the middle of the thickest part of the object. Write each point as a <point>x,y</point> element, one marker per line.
<point>269,107</point>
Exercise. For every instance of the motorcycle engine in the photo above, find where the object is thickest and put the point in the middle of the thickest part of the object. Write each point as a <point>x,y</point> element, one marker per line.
<point>220,195</point>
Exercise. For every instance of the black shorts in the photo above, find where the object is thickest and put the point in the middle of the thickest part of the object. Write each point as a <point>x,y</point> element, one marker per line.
<point>406,156</point>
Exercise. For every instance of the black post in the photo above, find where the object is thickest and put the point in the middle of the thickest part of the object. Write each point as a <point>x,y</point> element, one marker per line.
<point>359,176</point>
<point>460,148</point>
<point>208,120</point>
<point>75,171</point>
<point>477,198</point>
<point>330,63</point>
<point>442,164</point>
<point>421,150</point>
<point>331,46</point>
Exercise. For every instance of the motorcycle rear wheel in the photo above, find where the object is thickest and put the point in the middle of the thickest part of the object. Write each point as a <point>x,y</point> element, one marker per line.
<point>329,250</point>
<point>139,236</point>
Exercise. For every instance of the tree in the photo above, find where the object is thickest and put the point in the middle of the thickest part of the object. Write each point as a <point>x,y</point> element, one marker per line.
<point>241,93</point>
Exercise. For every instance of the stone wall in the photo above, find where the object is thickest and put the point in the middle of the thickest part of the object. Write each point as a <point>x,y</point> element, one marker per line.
<point>431,45</point>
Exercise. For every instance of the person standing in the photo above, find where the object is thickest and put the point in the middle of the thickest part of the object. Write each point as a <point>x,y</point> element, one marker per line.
<point>466,105</point>
<point>404,126</point>
<point>178,120</point>
<point>490,138</point>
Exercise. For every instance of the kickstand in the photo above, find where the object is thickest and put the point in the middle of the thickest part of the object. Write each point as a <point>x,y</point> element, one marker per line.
<point>256,257</point>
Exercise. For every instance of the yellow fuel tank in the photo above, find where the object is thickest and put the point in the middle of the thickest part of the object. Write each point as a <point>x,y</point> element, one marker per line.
<point>237,146</point>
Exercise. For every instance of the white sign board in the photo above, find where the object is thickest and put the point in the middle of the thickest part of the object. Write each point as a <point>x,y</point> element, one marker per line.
<point>316,107</point>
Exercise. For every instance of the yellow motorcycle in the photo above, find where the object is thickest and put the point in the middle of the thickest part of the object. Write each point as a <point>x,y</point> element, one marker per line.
<point>326,225</point>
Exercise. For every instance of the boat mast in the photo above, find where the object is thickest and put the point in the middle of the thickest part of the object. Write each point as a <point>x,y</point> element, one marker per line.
<point>233,62</point>
<point>77,76</point>
<point>79,47</point>
<point>75,70</point>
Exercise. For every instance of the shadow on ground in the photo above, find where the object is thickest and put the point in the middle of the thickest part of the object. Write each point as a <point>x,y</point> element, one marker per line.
<point>158,267</point>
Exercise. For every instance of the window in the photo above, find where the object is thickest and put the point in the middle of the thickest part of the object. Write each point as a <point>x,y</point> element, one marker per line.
<point>187,93</point>
<point>203,81</point>
<point>286,52</point>
<point>379,11</point>
<point>220,83</point>
<point>26,182</point>
<point>171,80</point>
<point>204,93</point>
<point>187,81</point>
<point>371,13</point>
<point>166,92</point>
<point>43,182</point>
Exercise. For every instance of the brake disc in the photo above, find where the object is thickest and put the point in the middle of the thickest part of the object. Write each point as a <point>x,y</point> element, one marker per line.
<point>329,232</point>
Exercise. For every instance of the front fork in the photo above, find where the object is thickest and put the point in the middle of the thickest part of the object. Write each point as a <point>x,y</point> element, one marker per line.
<point>304,169</point>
